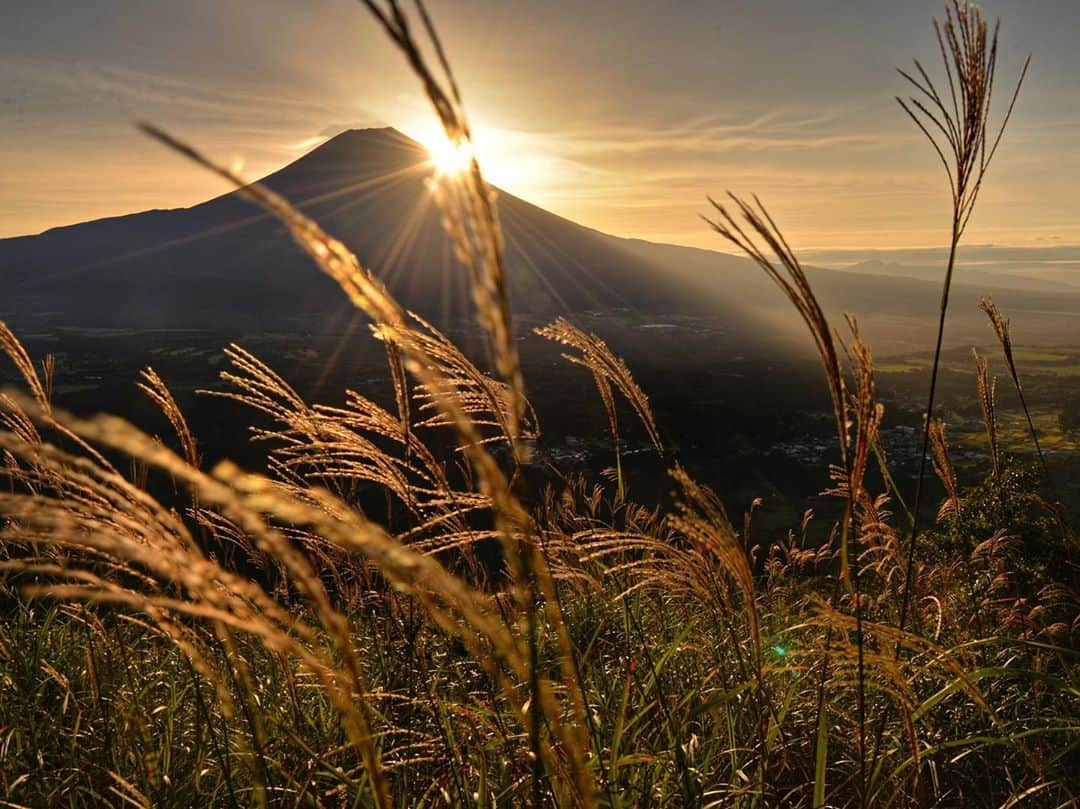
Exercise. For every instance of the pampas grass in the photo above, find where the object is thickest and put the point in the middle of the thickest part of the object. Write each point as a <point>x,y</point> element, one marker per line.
<point>607,371</point>
<point>958,126</point>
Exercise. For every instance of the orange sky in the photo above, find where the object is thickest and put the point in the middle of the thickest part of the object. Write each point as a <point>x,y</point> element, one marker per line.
<point>619,115</point>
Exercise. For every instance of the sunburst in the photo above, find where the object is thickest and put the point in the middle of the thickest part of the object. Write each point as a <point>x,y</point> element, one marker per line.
<point>449,158</point>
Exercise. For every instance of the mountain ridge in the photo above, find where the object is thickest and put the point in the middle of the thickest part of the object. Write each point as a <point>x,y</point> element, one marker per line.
<point>225,261</point>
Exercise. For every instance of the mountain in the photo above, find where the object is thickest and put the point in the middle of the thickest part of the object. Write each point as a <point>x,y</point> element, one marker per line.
<point>224,262</point>
<point>224,259</point>
<point>978,275</point>
<point>897,314</point>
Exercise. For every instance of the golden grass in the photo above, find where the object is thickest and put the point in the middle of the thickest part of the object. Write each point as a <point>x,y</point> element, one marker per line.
<point>613,655</point>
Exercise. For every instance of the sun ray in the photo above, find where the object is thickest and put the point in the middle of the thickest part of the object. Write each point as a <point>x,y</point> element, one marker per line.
<point>450,158</point>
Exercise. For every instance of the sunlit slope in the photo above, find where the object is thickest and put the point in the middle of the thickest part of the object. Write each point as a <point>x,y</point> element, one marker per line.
<point>225,259</point>
<point>223,263</point>
<point>897,314</point>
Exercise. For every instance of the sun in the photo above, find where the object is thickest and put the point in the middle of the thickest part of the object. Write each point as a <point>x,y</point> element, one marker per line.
<point>449,158</point>
<point>518,162</point>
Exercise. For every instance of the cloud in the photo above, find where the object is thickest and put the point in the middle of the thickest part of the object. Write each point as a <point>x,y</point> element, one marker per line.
<point>777,130</point>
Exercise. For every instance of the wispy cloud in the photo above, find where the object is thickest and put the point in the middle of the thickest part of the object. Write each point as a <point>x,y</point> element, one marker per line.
<point>600,117</point>
<point>775,130</point>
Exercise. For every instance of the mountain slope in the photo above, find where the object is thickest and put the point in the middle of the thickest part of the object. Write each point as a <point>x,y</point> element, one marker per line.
<point>224,262</point>
<point>897,314</point>
<point>225,259</point>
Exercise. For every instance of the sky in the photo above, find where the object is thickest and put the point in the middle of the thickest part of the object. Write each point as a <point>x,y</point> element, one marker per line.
<point>622,116</point>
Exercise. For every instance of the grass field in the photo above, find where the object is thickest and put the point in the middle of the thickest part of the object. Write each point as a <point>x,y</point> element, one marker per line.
<point>402,608</point>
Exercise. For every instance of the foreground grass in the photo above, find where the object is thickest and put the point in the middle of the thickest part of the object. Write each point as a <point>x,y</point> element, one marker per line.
<point>98,704</point>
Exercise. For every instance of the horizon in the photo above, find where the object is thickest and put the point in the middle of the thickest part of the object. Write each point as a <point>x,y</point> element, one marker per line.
<point>836,258</point>
<point>807,120</point>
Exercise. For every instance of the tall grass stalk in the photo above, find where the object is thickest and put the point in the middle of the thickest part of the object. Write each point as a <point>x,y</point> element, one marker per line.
<point>958,128</point>
<point>791,278</point>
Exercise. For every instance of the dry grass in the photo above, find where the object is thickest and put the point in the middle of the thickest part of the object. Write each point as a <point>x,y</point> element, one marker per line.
<point>607,371</point>
<point>945,470</point>
<point>987,388</point>
<point>958,126</point>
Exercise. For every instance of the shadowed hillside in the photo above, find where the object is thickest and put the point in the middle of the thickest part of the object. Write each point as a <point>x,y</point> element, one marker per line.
<point>897,313</point>
<point>224,259</point>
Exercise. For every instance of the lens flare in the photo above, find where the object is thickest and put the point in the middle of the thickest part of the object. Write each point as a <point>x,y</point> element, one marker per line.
<point>450,158</point>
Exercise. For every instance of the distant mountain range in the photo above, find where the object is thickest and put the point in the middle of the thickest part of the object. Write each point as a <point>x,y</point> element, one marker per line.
<point>1046,266</point>
<point>225,263</point>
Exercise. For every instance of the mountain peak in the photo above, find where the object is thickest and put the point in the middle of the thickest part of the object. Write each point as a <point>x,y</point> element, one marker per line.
<point>372,134</point>
<point>371,138</point>
<point>351,155</point>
